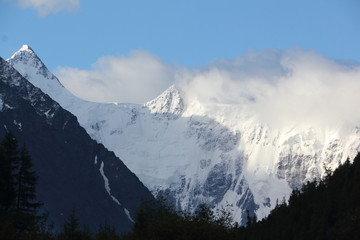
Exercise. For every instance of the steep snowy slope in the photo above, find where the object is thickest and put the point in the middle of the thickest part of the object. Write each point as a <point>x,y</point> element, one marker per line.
<point>197,152</point>
<point>74,171</point>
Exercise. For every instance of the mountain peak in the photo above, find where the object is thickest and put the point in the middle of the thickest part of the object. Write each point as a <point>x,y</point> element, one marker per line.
<point>169,103</point>
<point>26,47</point>
<point>30,66</point>
<point>25,55</point>
<point>25,51</point>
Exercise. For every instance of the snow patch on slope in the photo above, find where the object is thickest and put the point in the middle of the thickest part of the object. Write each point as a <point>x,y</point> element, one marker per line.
<point>18,124</point>
<point>107,186</point>
<point>1,103</point>
<point>128,215</point>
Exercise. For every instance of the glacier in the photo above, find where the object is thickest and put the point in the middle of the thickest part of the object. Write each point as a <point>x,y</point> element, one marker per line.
<point>195,152</point>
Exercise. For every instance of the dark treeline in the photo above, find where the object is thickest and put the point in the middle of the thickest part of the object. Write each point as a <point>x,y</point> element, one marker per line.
<point>326,209</point>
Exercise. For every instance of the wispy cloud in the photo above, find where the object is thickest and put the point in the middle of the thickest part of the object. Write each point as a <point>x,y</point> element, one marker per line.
<point>282,87</point>
<point>277,87</point>
<point>136,78</point>
<point>46,7</point>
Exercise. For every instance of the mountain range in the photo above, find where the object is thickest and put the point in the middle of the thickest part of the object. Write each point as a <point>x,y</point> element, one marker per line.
<point>195,152</point>
<point>75,172</point>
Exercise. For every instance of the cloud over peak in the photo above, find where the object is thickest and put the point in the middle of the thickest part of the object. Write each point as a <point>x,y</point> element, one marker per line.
<point>281,88</point>
<point>278,87</point>
<point>136,78</point>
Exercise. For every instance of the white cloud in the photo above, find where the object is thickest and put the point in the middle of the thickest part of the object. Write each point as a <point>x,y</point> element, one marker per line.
<point>278,87</point>
<point>293,87</point>
<point>46,7</point>
<point>137,78</point>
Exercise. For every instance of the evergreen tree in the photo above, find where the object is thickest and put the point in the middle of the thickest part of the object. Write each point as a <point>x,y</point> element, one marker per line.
<point>72,231</point>
<point>18,206</point>
<point>71,227</point>
<point>26,205</point>
<point>8,167</point>
<point>26,180</point>
<point>106,233</point>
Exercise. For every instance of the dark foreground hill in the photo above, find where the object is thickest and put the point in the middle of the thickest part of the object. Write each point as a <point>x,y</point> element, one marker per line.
<point>74,171</point>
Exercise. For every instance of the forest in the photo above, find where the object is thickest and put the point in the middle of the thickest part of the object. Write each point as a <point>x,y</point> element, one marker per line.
<point>327,208</point>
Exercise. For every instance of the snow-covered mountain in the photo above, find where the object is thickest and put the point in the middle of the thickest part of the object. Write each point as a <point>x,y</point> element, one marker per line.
<point>201,153</point>
<point>74,170</point>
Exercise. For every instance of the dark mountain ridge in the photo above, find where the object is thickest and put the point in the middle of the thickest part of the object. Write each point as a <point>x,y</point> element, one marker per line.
<point>74,171</point>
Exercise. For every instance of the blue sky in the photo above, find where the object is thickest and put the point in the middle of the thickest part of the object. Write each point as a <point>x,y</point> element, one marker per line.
<point>188,33</point>
<point>131,51</point>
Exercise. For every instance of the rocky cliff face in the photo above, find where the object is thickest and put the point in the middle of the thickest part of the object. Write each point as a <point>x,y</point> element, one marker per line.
<point>74,171</point>
<point>207,153</point>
